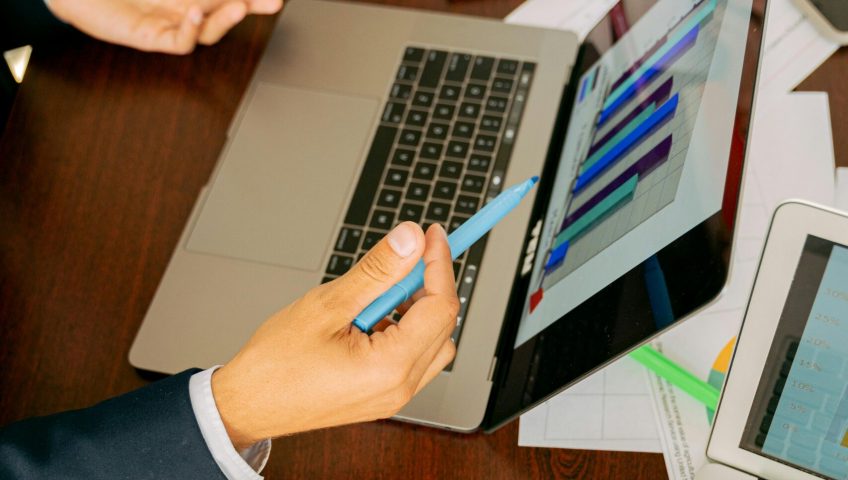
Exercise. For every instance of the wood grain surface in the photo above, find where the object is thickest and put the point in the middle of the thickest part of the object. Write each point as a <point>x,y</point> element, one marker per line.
<point>103,156</point>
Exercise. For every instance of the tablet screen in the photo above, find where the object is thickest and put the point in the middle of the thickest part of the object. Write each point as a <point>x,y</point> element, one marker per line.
<point>645,154</point>
<point>633,220</point>
<point>800,413</point>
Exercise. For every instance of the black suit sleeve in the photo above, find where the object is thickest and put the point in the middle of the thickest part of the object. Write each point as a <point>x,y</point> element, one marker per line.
<point>27,22</point>
<point>149,433</point>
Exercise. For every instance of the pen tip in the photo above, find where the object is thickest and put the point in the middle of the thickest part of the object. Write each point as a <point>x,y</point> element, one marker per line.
<point>535,179</point>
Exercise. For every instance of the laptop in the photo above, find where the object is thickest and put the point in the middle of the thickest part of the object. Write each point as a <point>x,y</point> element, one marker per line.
<point>784,410</point>
<point>360,117</point>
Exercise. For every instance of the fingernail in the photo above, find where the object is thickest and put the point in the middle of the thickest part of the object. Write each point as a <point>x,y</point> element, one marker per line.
<point>402,240</point>
<point>195,15</point>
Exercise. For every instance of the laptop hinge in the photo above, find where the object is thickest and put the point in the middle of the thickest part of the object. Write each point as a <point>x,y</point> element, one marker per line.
<point>492,369</point>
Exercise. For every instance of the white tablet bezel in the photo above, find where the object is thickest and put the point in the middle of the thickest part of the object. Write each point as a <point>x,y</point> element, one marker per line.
<point>793,221</point>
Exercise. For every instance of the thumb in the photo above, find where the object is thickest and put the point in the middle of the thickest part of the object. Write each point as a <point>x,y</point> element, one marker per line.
<point>383,266</point>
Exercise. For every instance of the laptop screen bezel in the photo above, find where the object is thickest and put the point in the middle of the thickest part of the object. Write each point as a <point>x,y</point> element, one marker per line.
<point>511,393</point>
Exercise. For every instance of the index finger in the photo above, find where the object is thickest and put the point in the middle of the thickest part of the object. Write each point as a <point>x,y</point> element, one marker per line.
<point>435,312</point>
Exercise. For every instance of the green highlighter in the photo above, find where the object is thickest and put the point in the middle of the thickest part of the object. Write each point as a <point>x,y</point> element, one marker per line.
<point>677,375</point>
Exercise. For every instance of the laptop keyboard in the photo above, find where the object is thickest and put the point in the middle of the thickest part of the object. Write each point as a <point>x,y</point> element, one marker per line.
<point>439,153</point>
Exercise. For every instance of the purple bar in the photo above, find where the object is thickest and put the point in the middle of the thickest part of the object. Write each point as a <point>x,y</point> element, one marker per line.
<point>659,96</point>
<point>643,166</point>
<point>624,76</point>
<point>677,51</point>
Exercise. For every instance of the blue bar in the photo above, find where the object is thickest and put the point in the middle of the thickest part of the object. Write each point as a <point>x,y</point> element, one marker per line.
<point>648,75</point>
<point>662,113</point>
<point>557,256</point>
<point>692,24</point>
<point>583,90</point>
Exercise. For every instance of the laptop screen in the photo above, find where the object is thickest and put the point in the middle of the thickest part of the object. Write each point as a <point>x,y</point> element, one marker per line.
<point>800,412</point>
<point>637,204</point>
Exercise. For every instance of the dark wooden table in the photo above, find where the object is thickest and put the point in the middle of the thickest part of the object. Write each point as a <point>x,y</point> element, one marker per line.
<point>102,159</point>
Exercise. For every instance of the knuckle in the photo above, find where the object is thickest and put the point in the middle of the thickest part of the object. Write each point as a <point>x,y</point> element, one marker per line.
<point>376,267</point>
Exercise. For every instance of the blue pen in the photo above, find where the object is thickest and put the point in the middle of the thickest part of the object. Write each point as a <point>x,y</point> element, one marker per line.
<point>460,240</point>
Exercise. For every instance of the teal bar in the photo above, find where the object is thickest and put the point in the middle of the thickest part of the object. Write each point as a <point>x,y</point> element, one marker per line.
<point>599,211</point>
<point>612,142</point>
<point>669,44</point>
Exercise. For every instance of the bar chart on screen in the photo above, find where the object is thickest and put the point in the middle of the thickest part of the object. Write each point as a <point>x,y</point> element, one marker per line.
<point>639,143</point>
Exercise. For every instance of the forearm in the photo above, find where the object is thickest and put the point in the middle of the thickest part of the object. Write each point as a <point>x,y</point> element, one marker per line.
<point>147,433</point>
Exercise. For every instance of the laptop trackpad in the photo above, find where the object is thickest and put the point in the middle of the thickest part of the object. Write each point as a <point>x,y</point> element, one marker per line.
<point>284,181</point>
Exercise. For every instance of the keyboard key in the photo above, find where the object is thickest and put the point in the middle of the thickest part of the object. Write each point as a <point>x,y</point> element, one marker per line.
<point>466,204</point>
<point>431,150</point>
<point>423,99</point>
<point>449,93</point>
<point>433,67</point>
<point>371,239</point>
<point>482,69</point>
<point>444,190</point>
<point>444,112</point>
<point>485,142</point>
<point>388,198</point>
<point>473,183</point>
<point>507,67</point>
<point>339,264</point>
<point>348,240</point>
<point>455,222</point>
<point>403,157</point>
<point>410,137</point>
<point>496,104</point>
<point>407,73</point>
<point>438,211</point>
<point>469,110</point>
<point>479,163</point>
<point>394,112</point>
<point>382,219</point>
<point>458,67</point>
<point>411,212</point>
<point>396,178</point>
<point>437,131</point>
<point>450,169</point>
<point>491,123</point>
<point>327,280</point>
<point>369,179</point>
<point>401,91</point>
<point>424,171</point>
<point>463,129</point>
<point>475,92</point>
<point>417,192</point>
<point>413,54</point>
<point>416,118</point>
<point>457,149</point>
<point>502,85</point>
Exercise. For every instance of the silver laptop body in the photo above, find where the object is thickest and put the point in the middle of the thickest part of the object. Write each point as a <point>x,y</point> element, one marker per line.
<point>263,230</point>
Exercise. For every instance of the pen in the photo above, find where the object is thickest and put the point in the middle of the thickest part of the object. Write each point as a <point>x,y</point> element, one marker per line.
<point>677,375</point>
<point>460,240</point>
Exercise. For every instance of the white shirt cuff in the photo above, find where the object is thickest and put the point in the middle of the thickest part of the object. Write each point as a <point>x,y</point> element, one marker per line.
<point>244,465</point>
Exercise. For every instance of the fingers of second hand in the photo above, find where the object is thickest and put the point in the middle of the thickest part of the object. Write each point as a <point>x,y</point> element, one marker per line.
<point>221,20</point>
<point>432,318</point>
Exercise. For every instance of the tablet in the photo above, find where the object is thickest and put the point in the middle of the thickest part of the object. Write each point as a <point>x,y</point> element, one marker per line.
<point>784,410</point>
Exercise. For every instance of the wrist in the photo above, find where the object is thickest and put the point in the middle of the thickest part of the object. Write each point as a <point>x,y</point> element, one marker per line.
<point>234,411</point>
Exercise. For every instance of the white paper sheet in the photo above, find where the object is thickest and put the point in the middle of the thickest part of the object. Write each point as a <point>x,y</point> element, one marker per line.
<point>793,48</point>
<point>597,414</point>
<point>791,157</point>
<point>578,16</point>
